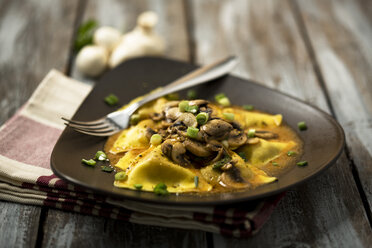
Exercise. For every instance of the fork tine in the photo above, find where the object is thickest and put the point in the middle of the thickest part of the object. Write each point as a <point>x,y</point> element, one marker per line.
<point>85,123</point>
<point>97,127</point>
<point>106,133</point>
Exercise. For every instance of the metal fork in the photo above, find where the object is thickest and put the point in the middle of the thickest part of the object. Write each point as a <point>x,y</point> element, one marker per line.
<point>118,120</point>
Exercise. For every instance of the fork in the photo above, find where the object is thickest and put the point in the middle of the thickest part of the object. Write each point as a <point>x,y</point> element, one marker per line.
<point>118,120</point>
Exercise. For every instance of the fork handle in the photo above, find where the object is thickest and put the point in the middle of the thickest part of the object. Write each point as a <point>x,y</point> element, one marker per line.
<point>196,77</point>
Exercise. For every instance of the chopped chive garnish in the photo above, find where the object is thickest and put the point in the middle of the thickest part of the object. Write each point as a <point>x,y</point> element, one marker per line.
<point>302,125</point>
<point>202,118</point>
<point>251,133</point>
<point>107,169</point>
<point>183,106</point>
<point>221,162</point>
<point>161,189</point>
<point>192,109</point>
<point>172,97</point>
<point>121,176</point>
<point>291,153</point>
<point>192,132</point>
<point>191,94</point>
<point>196,181</point>
<point>243,156</point>
<point>156,139</point>
<point>101,156</point>
<point>138,186</point>
<point>224,102</point>
<point>302,163</point>
<point>228,116</point>
<point>90,162</point>
<point>248,107</point>
<point>219,96</point>
<point>134,119</point>
<point>111,100</point>
<point>275,163</point>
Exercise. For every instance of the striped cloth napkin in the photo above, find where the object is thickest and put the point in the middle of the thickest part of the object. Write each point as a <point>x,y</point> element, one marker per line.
<point>27,140</point>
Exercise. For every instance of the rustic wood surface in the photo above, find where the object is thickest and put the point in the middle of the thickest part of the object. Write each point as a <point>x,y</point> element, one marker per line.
<point>320,51</point>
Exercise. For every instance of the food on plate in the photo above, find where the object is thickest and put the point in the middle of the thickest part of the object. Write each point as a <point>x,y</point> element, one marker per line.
<point>201,146</point>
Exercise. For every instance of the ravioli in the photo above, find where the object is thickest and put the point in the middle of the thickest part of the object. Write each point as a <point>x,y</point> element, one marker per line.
<point>255,119</point>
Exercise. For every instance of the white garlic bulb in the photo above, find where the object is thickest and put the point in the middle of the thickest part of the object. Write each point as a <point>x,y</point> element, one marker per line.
<point>107,37</point>
<point>92,60</point>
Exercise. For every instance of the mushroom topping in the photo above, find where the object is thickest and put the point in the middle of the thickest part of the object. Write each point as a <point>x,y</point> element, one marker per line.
<point>188,119</point>
<point>166,148</point>
<point>172,113</point>
<point>214,145</point>
<point>196,148</point>
<point>149,132</point>
<point>217,128</point>
<point>157,116</point>
<point>171,104</point>
<point>231,178</point>
<point>178,154</point>
<point>265,134</point>
<point>198,102</point>
<point>236,138</point>
<point>252,141</point>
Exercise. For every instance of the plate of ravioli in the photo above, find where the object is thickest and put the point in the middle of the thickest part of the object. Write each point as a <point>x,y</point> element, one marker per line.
<point>226,141</point>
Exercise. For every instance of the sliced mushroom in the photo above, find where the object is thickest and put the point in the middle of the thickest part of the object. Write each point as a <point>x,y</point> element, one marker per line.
<point>166,148</point>
<point>217,128</point>
<point>188,119</point>
<point>265,134</point>
<point>236,138</point>
<point>149,132</point>
<point>226,167</point>
<point>214,145</point>
<point>197,148</point>
<point>171,104</point>
<point>172,113</point>
<point>198,102</point>
<point>178,154</point>
<point>232,179</point>
<point>252,141</point>
<point>157,116</point>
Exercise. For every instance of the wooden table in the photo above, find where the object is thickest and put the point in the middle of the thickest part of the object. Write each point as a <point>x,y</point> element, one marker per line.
<point>320,51</point>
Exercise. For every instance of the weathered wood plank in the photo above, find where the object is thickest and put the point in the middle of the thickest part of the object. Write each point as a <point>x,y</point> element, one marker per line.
<point>33,41</point>
<point>66,229</point>
<point>327,211</point>
<point>341,35</point>
<point>76,230</point>
<point>19,225</point>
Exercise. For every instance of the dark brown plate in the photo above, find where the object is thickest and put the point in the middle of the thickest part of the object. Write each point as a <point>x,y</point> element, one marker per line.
<point>323,141</point>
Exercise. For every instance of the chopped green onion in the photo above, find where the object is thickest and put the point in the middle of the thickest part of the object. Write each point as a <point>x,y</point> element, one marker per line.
<point>243,156</point>
<point>192,132</point>
<point>275,163</point>
<point>106,169</point>
<point>172,97</point>
<point>219,96</point>
<point>90,162</point>
<point>248,107</point>
<point>291,153</point>
<point>224,102</point>
<point>251,133</point>
<point>196,181</point>
<point>192,109</point>
<point>100,155</point>
<point>191,94</point>
<point>302,163</point>
<point>134,119</point>
<point>138,186</point>
<point>111,100</point>
<point>161,189</point>
<point>85,34</point>
<point>121,176</point>
<point>302,125</point>
<point>221,162</point>
<point>156,139</point>
<point>183,106</point>
<point>229,116</point>
<point>202,118</point>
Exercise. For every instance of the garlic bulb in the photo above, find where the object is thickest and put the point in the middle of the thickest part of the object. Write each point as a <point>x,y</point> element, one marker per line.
<point>140,41</point>
<point>107,37</point>
<point>92,60</point>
